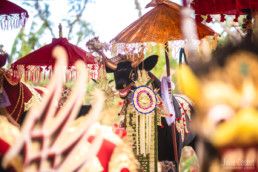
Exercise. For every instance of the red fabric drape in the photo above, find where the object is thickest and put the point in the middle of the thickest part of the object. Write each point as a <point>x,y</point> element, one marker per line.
<point>229,7</point>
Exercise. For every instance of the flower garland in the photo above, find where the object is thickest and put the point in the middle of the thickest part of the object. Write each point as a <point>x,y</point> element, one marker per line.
<point>144,99</point>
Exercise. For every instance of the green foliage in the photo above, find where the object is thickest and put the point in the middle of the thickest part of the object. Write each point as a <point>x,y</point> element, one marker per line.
<point>26,42</point>
<point>188,163</point>
<point>160,69</point>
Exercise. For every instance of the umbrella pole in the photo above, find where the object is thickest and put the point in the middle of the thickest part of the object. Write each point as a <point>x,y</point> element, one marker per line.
<point>173,126</point>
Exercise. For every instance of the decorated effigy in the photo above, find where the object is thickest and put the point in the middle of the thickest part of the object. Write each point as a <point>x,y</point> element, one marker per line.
<point>224,91</point>
<point>146,114</point>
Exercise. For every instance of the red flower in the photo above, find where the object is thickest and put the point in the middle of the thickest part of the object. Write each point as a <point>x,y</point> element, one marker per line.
<point>115,125</point>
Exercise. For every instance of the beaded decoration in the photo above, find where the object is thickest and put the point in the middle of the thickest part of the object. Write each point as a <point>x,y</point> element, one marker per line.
<point>144,99</point>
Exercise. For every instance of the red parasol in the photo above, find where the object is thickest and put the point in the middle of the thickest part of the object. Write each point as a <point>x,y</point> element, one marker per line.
<point>12,15</point>
<point>222,7</point>
<point>34,63</point>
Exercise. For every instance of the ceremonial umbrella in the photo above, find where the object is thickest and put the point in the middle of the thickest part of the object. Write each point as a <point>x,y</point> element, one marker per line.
<point>160,25</point>
<point>12,15</point>
<point>34,63</point>
<point>222,7</point>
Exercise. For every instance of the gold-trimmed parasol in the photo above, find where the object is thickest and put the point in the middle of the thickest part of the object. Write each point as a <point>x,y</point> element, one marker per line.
<point>160,25</point>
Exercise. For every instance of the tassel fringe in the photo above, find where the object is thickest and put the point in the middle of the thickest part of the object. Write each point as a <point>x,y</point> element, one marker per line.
<point>13,21</point>
<point>40,73</point>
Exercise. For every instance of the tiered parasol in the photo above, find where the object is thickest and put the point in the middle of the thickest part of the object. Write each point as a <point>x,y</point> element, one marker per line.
<point>12,15</point>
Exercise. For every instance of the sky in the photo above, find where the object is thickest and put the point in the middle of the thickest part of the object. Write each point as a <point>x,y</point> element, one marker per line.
<point>107,17</point>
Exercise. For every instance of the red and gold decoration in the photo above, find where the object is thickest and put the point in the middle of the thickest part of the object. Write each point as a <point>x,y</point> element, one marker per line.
<point>11,15</point>
<point>184,104</point>
<point>19,95</point>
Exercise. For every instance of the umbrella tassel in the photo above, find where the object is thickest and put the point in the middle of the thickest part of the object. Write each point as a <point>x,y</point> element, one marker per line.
<point>31,76</point>
<point>39,79</point>
<point>71,75</point>
<point>66,76</point>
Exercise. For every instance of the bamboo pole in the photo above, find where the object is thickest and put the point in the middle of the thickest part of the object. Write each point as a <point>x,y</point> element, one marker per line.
<point>173,126</point>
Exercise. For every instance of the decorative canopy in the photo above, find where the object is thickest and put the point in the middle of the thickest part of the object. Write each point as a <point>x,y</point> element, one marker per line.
<point>12,15</point>
<point>161,24</point>
<point>34,63</point>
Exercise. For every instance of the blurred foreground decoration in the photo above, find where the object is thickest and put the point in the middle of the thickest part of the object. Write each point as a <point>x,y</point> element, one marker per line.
<point>11,15</point>
<point>225,93</point>
<point>53,140</point>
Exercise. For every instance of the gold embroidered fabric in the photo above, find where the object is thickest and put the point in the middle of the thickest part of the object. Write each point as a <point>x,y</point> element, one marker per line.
<point>123,157</point>
<point>36,97</point>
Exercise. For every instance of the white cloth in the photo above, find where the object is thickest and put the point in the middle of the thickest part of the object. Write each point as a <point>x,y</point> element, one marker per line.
<point>166,98</point>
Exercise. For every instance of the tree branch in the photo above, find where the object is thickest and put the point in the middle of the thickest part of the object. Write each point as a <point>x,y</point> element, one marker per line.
<point>43,18</point>
<point>77,19</point>
<point>138,7</point>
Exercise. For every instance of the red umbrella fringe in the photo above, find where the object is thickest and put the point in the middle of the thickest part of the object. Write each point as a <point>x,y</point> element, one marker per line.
<point>39,73</point>
<point>13,21</point>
